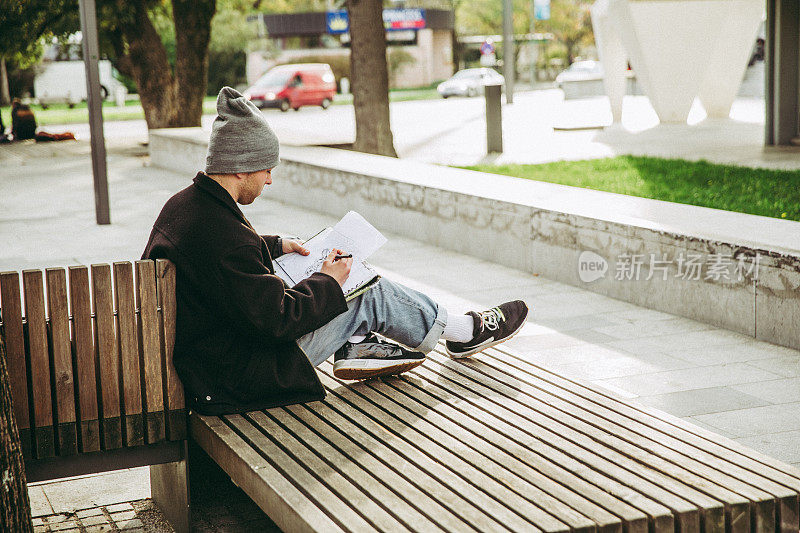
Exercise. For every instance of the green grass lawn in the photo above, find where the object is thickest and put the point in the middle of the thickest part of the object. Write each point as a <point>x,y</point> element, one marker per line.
<point>771,193</point>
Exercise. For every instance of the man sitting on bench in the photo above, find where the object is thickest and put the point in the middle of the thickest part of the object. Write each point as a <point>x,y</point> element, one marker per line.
<point>247,341</point>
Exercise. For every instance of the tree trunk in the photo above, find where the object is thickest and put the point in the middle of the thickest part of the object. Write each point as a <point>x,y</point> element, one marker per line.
<point>169,101</point>
<point>370,77</point>
<point>15,507</point>
<point>192,35</point>
<point>5,95</point>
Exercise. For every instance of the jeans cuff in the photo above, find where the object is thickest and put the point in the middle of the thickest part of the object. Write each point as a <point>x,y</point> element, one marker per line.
<point>435,333</point>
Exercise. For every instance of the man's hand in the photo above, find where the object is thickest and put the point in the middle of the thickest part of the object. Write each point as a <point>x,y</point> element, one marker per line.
<point>290,246</point>
<point>338,270</point>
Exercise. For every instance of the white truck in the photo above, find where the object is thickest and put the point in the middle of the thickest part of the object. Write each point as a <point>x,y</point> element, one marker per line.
<point>65,82</point>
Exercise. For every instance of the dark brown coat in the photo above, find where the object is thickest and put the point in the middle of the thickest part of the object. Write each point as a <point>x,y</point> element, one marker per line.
<point>237,322</point>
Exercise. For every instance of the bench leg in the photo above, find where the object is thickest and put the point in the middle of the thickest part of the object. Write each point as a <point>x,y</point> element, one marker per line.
<point>169,488</point>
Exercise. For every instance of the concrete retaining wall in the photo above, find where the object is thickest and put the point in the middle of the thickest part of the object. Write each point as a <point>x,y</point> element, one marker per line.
<point>736,271</point>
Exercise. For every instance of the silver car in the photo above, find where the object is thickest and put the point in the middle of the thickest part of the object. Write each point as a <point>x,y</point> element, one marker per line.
<point>469,82</point>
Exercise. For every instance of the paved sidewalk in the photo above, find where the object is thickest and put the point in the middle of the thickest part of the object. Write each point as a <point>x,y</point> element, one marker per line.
<point>724,381</point>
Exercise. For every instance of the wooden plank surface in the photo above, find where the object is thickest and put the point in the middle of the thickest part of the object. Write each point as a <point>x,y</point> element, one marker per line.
<point>39,360</point>
<point>83,345</point>
<point>148,330</point>
<point>758,482</point>
<point>174,398</point>
<point>107,354</point>
<point>61,350</point>
<point>287,504</point>
<point>501,444</point>
<point>360,491</point>
<point>516,511</point>
<point>669,454</point>
<point>125,304</point>
<point>11,304</point>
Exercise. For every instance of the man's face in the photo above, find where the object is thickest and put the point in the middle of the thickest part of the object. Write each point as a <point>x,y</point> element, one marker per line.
<point>253,184</point>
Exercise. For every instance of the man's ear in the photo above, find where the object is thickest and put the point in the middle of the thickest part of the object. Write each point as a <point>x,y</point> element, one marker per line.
<point>241,175</point>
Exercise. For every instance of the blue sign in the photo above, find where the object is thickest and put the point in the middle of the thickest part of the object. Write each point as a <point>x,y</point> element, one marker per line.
<point>337,22</point>
<point>393,20</point>
<point>541,9</point>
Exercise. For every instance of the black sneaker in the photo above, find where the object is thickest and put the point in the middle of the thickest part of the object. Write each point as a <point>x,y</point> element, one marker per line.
<point>372,358</point>
<point>492,327</point>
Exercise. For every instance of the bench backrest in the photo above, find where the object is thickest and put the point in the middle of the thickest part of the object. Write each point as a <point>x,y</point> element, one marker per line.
<point>90,357</point>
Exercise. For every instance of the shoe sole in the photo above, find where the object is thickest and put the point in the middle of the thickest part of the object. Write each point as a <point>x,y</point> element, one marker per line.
<point>366,371</point>
<point>482,348</point>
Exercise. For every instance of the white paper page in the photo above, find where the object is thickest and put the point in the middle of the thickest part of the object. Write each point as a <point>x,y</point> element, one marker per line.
<point>353,234</point>
<point>366,239</point>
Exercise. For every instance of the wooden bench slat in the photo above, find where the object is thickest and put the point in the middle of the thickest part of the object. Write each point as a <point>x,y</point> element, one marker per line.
<point>107,349</point>
<point>148,329</point>
<point>11,304</point>
<point>286,505</point>
<point>458,488</point>
<point>638,478</point>
<point>705,441</point>
<point>39,358</point>
<point>709,475</point>
<point>60,346</point>
<point>523,480</point>
<point>429,486</point>
<point>418,432</point>
<point>566,488</point>
<point>634,509</point>
<point>175,403</point>
<point>328,501</point>
<point>679,434</point>
<point>86,375</point>
<point>537,408</point>
<point>133,426</point>
<point>347,479</point>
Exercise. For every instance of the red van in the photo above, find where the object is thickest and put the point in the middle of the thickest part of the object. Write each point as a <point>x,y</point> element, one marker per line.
<point>294,86</point>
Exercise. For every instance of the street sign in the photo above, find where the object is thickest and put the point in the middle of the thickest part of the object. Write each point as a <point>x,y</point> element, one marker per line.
<point>393,20</point>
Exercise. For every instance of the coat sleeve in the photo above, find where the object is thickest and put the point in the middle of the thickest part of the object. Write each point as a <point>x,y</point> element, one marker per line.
<point>272,245</point>
<point>262,301</point>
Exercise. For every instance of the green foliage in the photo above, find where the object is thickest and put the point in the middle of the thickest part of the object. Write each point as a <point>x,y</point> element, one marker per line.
<point>569,22</point>
<point>396,59</point>
<point>226,67</point>
<point>771,193</point>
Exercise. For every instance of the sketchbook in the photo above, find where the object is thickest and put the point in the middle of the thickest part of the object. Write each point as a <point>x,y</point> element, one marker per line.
<point>354,235</point>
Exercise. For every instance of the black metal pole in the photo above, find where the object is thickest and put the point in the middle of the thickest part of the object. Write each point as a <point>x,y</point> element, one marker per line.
<point>90,57</point>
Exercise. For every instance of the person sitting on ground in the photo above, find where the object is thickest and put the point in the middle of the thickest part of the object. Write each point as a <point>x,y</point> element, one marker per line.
<point>245,340</point>
<point>23,125</point>
<point>23,122</point>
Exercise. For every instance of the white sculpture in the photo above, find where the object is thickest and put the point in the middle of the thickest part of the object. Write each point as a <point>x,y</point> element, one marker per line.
<point>679,49</point>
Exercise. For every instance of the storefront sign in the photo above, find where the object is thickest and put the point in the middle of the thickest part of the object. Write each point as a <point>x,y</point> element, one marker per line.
<point>393,20</point>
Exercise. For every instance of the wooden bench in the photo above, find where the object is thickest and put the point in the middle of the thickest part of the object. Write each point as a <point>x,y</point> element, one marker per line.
<point>92,381</point>
<point>493,443</point>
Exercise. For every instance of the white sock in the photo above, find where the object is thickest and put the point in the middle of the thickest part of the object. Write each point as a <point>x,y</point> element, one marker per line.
<point>355,339</point>
<point>459,328</point>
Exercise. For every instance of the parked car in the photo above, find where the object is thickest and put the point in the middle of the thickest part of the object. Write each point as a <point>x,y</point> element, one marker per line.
<point>293,86</point>
<point>587,70</point>
<point>469,82</point>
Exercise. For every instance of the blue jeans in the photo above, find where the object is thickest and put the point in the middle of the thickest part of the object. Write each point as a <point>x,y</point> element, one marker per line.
<point>396,312</point>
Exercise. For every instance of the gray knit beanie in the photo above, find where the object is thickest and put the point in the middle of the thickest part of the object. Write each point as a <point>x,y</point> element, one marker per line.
<point>241,140</point>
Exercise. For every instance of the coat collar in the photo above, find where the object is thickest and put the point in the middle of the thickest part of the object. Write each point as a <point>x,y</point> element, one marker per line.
<point>216,190</point>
